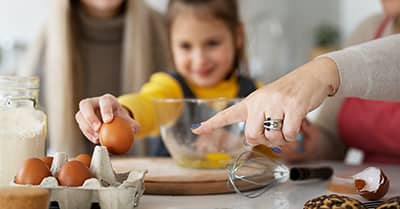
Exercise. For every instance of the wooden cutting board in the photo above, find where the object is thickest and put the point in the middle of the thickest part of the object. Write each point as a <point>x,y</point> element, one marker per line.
<point>165,177</point>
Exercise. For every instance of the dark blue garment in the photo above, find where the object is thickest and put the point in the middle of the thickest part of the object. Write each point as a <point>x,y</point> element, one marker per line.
<point>246,86</point>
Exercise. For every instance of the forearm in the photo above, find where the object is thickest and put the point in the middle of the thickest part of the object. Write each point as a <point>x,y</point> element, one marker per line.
<point>142,106</point>
<point>370,70</point>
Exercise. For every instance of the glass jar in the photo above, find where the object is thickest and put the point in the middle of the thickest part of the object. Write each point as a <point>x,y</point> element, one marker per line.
<point>22,127</point>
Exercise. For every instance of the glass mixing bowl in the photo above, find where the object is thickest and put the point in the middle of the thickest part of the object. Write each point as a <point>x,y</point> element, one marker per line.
<point>213,150</point>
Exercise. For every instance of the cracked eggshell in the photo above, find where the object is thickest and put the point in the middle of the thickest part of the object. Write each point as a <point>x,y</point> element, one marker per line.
<point>371,183</point>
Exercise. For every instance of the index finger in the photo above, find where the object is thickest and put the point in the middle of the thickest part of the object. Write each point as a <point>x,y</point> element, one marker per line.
<point>233,114</point>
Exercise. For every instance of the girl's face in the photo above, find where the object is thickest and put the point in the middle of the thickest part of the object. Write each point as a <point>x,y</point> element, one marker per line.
<point>391,7</point>
<point>203,49</point>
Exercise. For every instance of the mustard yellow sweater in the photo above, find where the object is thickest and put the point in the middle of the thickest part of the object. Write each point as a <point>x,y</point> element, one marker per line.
<point>162,85</point>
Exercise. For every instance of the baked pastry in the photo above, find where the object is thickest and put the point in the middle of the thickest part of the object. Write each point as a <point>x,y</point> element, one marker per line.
<point>391,203</point>
<point>333,201</point>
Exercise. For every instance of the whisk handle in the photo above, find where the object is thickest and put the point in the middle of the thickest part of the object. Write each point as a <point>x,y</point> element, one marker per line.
<point>299,173</point>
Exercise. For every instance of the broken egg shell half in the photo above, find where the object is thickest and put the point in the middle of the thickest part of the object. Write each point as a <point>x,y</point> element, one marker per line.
<point>371,183</point>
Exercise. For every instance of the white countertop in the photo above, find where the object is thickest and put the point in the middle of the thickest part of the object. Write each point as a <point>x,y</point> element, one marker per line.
<point>290,195</point>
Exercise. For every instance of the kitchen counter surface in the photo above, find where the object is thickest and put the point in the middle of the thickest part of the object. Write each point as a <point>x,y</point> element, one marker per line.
<point>290,195</point>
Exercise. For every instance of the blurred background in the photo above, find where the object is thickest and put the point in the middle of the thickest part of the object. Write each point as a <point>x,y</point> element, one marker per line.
<point>281,34</point>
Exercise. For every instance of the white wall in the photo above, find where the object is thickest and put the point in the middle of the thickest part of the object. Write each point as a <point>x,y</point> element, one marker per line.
<point>20,19</point>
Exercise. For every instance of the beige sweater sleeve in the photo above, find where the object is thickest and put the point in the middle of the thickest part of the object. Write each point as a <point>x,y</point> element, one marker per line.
<point>370,70</point>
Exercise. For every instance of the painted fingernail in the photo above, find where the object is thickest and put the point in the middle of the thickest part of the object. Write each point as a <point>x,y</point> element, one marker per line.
<point>195,125</point>
<point>300,137</point>
<point>276,149</point>
<point>300,146</point>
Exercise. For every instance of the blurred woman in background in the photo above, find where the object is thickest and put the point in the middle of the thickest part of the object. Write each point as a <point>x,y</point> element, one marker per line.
<point>378,25</point>
<point>88,48</point>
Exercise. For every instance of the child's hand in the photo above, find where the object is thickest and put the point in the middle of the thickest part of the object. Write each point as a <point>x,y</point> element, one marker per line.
<point>305,149</point>
<point>94,111</point>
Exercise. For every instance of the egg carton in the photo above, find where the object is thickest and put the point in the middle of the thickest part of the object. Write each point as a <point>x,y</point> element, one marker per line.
<point>109,189</point>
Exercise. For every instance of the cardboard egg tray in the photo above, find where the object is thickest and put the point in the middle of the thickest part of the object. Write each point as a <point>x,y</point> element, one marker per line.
<point>108,189</point>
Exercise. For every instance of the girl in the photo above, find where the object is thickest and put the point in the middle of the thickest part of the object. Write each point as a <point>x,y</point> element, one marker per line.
<point>207,44</point>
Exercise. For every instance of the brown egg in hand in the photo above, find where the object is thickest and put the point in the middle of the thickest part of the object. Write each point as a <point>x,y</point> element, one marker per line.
<point>73,173</point>
<point>371,183</point>
<point>117,136</point>
<point>33,171</point>
<point>85,159</point>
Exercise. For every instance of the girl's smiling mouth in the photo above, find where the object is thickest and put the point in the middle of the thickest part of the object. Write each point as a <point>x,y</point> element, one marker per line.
<point>203,72</point>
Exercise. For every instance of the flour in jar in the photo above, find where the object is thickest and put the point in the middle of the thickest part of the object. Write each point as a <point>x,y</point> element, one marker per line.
<point>22,136</point>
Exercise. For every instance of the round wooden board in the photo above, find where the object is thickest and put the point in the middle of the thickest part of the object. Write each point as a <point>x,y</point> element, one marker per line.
<point>165,177</point>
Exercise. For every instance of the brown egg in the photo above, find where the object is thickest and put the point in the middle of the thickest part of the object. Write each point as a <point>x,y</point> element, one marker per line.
<point>73,173</point>
<point>117,136</point>
<point>380,180</point>
<point>33,171</point>
<point>84,158</point>
<point>48,160</point>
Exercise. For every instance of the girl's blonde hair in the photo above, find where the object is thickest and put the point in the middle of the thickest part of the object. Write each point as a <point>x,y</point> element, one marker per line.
<point>225,10</point>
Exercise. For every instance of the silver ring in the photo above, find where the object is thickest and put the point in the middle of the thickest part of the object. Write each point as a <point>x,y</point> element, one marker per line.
<point>273,124</point>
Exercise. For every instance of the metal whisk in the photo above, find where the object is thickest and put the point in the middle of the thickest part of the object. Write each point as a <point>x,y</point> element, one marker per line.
<point>253,173</point>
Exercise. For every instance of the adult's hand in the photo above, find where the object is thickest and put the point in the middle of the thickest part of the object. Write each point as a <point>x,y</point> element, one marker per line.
<point>94,111</point>
<point>289,98</point>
